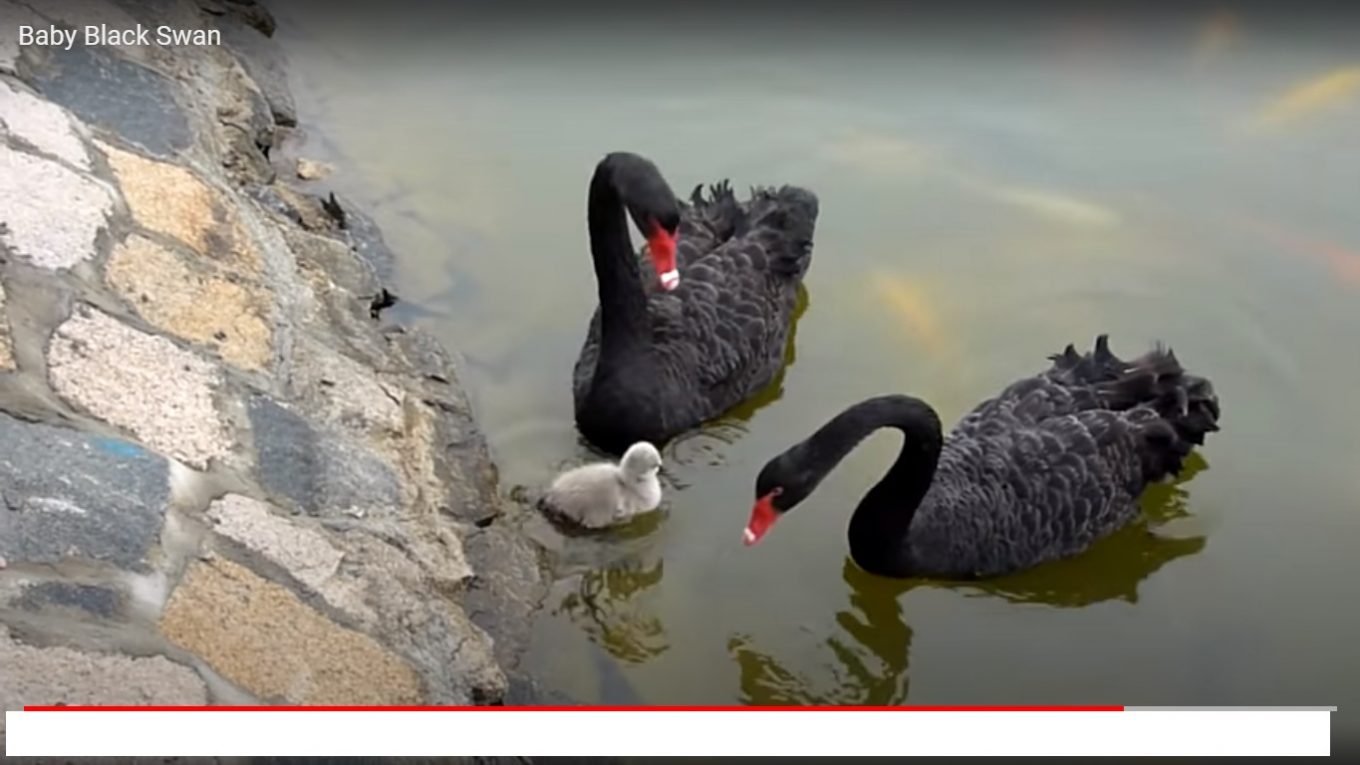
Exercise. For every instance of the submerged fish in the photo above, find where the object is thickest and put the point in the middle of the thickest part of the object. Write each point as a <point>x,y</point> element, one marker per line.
<point>1220,32</point>
<point>876,152</point>
<point>1342,262</point>
<point>1056,206</point>
<point>1308,98</point>
<point>911,304</point>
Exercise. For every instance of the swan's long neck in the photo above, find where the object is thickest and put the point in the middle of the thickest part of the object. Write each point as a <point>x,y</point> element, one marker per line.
<point>623,306</point>
<point>881,523</point>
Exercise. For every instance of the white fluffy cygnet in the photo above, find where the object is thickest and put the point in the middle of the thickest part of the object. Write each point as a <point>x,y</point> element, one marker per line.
<point>604,494</point>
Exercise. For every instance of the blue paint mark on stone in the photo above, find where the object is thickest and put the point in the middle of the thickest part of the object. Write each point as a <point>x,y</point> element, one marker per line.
<point>65,496</point>
<point>119,448</point>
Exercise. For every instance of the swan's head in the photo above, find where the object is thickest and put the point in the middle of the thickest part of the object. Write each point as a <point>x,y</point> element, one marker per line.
<point>640,461</point>
<point>653,208</point>
<point>781,485</point>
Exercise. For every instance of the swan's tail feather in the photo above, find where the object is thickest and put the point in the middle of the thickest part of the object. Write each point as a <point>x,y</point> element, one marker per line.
<point>1176,423</point>
<point>1162,451</point>
<point>1173,411</point>
<point>719,195</point>
<point>721,203</point>
<point>1099,366</point>
<point>710,221</point>
<point>785,219</point>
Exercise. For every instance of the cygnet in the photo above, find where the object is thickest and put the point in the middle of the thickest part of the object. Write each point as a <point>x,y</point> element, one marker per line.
<point>604,494</point>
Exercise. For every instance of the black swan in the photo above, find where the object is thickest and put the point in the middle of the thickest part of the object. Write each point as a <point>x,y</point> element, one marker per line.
<point>1037,473</point>
<point>658,362</point>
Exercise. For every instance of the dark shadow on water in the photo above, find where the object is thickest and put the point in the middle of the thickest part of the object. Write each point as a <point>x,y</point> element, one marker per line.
<point>869,654</point>
<point>867,657</point>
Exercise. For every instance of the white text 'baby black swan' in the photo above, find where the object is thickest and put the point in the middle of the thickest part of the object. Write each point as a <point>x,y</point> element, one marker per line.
<point>1037,473</point>
<point>706,331</point>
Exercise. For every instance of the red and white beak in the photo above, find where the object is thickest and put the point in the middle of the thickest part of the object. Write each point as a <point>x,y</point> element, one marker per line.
<point>763,516</point>
<point>661,246</point>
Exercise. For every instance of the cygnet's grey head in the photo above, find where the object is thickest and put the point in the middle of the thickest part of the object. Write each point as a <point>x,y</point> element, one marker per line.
<point>641,460</point>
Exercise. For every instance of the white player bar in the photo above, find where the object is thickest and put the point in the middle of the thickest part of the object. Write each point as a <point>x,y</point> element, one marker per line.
<point>1145,731</point>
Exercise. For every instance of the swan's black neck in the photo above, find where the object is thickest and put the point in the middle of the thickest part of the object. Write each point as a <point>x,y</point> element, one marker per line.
<point>879,528</point>
<point>623,305</point>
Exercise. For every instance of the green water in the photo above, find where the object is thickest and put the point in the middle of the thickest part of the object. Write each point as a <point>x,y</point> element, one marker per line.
<point>987,197</point>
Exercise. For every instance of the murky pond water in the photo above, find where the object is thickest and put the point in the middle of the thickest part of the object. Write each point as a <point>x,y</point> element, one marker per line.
<point>989,193</point>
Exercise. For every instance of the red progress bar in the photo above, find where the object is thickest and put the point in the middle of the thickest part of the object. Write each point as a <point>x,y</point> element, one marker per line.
<point>1108,708</point>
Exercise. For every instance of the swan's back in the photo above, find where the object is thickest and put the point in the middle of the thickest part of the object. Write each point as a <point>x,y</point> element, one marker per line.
<point>1057,461</point>
<point>728,326</point>
<point>720,336</point>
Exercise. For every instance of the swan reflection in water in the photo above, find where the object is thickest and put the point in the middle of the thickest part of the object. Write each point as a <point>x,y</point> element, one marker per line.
<point>868,655</point>
<point>603,606</point>
<point>870,667</point>
<point>598,578</point>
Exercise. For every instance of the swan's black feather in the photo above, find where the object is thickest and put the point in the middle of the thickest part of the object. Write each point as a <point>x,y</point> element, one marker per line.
<point>1057,461</point>
<point>720,336</point>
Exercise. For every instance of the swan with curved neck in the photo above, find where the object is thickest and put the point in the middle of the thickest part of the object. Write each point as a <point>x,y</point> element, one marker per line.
<point>709,327</point>
<point>1040,472</point>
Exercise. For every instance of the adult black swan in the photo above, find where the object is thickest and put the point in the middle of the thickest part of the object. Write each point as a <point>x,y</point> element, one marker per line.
<point>1053,463</point>
<point>708,329</point>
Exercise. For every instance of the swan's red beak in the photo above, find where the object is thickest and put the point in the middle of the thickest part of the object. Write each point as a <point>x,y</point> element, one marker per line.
<point>763,516</point>
<point>661,245</point>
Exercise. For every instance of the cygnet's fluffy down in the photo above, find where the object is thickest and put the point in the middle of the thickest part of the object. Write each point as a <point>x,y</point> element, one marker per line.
<point>604,494</point>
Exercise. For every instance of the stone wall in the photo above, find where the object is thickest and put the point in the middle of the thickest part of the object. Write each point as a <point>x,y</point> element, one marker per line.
<point>224,478</point>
